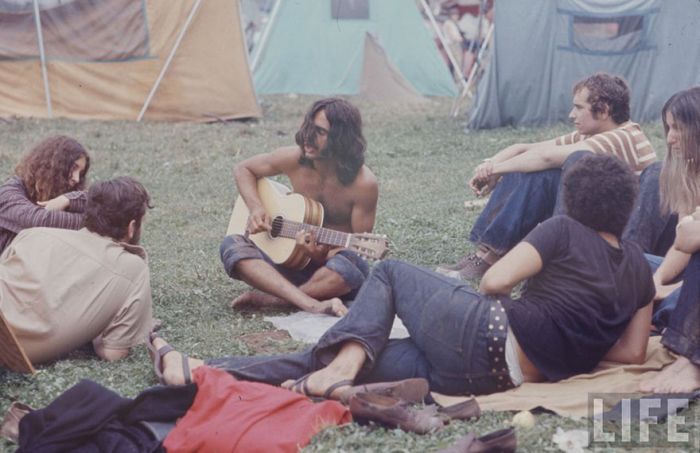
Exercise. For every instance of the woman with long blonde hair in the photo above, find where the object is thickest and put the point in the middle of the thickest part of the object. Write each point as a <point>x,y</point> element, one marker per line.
<point>680,192</point>
<point>679,195</point>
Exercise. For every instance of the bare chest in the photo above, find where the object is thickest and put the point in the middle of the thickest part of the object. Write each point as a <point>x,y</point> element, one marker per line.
<point>337,200</point>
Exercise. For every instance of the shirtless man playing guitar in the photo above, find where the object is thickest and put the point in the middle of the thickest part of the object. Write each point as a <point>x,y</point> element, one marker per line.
<point>327,165</point>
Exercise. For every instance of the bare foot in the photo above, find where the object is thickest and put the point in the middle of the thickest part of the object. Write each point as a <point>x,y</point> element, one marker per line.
<point>318,383</point>
<point>173,372</point>
<point>257,299</point>
<point>682,376</point>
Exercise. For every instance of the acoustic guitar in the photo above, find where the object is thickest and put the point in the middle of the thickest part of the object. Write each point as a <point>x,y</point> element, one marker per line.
<point>290,213</point>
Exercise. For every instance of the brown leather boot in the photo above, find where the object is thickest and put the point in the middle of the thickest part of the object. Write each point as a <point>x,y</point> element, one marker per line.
<point>501,441</point>
<point>461,411</point>
<point>394,413</point>
<point>412,390</point>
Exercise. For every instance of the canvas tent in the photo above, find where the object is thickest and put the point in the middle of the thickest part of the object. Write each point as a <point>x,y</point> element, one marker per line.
<point>319,47</point>
<point>542,47</point>
<point>117,59</point>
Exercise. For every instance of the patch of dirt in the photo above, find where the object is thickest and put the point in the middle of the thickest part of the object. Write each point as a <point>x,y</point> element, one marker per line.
<point>268,342</point>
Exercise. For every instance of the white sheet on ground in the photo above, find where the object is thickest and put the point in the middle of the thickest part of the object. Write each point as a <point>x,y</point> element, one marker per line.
<point>308,327</point>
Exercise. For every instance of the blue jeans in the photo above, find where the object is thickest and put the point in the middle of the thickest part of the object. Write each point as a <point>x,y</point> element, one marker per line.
<point>683,333</point>
<point>450,326</point>
<point>519,202</point>
<point>663,310</point>
<point>346,263</point>
<point>648,226</point>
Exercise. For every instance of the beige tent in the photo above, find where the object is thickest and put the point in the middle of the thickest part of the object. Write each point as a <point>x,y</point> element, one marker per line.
<point>169,60</point>
<point>381,80</point>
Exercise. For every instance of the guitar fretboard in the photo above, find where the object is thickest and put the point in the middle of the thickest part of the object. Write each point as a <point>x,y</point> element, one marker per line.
<point>289,229</point>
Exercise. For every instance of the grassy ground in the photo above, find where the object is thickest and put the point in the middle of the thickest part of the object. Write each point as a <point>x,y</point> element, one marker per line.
<point>422,159</point>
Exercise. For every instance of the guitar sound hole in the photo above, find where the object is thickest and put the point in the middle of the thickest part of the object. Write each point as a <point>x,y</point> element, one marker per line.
<point>276,226</point>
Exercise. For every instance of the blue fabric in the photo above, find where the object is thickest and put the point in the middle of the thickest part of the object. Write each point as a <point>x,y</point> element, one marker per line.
<point>648,226</point>
<point>664,308</point>
<point>447,320</point>
<point>518,204</point>
<point>346,263</point>
<point>683,333</point>
<point>309,52</point>
<point>541,94</point>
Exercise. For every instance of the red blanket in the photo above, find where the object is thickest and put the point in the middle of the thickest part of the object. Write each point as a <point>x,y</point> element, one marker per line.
<point>238,416</point>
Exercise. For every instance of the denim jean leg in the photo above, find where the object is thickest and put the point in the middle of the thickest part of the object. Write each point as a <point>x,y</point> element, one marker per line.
<point>518,203</point>
<point>444,317</point>
<point>648,226</point>
<point>351,268</point>
<point>272,369</point>
<point>683,333</point>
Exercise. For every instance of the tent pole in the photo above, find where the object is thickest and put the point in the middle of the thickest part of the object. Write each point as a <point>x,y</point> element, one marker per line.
<point>451,57</point>
<point>475,67</point>
<point>266,33</point>
<point>42,55</point>
<point>169,60</point>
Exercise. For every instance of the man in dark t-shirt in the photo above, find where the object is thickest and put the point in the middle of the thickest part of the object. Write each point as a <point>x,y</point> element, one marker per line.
<point>582,299</point>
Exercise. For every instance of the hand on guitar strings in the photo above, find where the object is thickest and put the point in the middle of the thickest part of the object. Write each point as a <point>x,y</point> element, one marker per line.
<point>258,221</point>
<point>317,252</point>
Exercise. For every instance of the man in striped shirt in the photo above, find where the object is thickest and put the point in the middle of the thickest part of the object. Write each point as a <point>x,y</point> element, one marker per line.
<point>525,177</point>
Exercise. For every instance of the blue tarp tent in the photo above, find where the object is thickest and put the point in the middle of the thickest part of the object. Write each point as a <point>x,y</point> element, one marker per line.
<point>318,47</point>
<point>542,47</point>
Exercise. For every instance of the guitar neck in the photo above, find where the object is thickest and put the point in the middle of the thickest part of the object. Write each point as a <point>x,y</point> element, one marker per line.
<point>289,229</point>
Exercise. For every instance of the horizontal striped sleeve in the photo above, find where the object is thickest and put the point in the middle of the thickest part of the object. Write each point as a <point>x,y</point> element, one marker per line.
<point>642,149</point>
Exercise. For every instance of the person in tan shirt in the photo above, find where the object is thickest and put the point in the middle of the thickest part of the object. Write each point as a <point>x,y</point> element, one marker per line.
<point>60,289</point>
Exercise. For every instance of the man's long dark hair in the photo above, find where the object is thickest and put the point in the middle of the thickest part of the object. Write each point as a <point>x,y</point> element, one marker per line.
<point>346,145</point>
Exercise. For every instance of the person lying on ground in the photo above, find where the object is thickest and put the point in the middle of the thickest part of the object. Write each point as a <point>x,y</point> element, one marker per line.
<point>525,177</point>
<point>47,189</point>
<point>681,336</point>
<point>670,192</point>
<point>60,289</point>
<point>326,165</point>
<point>588,297</point>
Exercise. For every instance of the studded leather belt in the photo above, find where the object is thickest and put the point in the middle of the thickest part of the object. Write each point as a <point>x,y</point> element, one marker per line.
<point>497,334</point>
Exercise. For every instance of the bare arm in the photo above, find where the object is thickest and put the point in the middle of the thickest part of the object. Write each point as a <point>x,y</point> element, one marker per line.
<point>673,264</point>
<point>250,170</point>
<point>688,234</point>
<point>541,157</point>
<point>484,179</point>
<point>522,262</point>
<point>364,210</point>
<point>676,260</point>
<point>631,347</point>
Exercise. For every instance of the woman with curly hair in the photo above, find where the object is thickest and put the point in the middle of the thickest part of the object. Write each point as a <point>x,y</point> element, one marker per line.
<point>47,189</point>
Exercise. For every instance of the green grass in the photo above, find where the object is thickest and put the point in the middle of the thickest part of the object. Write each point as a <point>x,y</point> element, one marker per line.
<point>421,157</point>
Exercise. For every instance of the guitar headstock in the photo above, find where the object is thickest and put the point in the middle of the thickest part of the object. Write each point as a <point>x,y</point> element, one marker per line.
<point>369,245</point>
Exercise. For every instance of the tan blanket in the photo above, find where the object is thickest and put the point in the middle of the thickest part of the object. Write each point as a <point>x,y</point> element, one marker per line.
<point>570,397</point>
